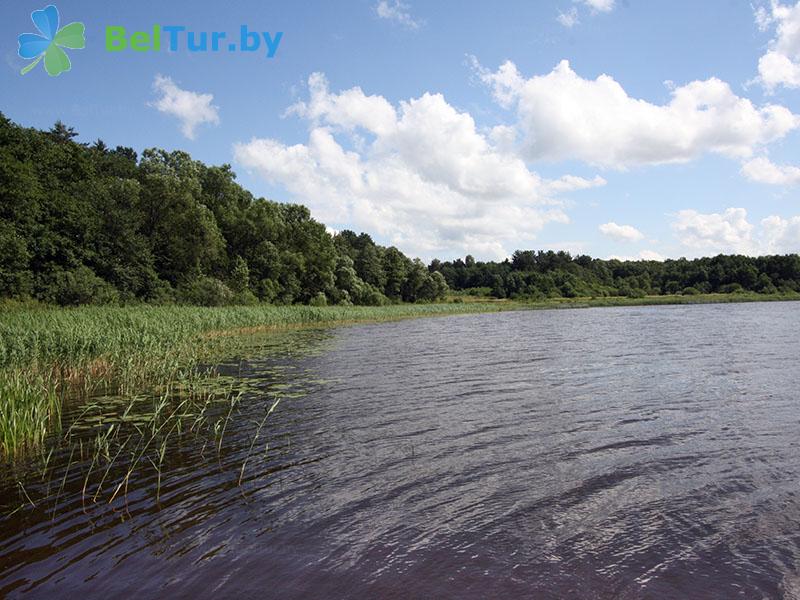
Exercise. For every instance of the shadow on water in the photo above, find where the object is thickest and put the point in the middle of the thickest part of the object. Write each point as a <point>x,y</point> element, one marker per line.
<point>604,453</point>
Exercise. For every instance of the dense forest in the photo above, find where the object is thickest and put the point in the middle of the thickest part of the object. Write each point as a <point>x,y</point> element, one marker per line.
<point>84,224</point>
<point>537,275</point>
<point>88,224</point>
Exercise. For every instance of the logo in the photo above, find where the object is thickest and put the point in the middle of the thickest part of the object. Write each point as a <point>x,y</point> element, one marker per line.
<point>49,45</point>
<point>178,37</point>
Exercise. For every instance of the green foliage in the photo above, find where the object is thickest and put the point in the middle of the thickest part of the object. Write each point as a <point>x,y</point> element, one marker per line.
<point>538,275</point>
<point>15,277</point>
<point>77,286</point>
<point>240,276</point>
<point>206,291</point>
<point>731,288</point>
<point>318,300</point>
<point>87,224</point>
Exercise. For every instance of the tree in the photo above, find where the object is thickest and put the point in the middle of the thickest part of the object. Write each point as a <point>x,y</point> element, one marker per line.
<point>62,133</point>
<point>395,268</point>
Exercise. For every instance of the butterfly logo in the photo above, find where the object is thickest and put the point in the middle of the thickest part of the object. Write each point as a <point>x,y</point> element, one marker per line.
<point>49,44</point>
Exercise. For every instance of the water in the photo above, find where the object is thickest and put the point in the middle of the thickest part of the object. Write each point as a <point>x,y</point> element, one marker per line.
<point>647,452</point>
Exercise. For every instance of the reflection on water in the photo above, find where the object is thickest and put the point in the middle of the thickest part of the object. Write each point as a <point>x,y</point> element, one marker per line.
<point>604,453</point>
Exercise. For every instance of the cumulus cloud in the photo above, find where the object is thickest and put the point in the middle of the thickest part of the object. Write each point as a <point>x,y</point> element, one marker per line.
<point>731,232</point>
<point>190,108</point>
<point>397,11</point>
<point>780,66</point>
<point>562,116</point>
<point>419,174</point>
<point>781,236</point>
<point>762,170</point>
<point>621,233</point>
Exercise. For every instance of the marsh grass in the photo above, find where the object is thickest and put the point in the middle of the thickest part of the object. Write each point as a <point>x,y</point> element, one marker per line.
<point>51,357</point>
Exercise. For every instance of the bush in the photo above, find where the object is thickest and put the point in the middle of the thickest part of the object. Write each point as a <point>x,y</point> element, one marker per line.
<point>161,293</point>
<point>731,288</point>
<point>318,300</point>
<point>78,286</point>
<point>690,291</point>
<point>245,298</point>
<point>478,291</point>
<point>206,291</point>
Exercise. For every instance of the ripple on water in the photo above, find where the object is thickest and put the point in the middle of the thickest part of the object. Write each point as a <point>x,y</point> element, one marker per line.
<point>600,453</point>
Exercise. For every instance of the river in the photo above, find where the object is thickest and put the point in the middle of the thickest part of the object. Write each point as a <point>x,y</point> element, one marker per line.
<point>638,452</point>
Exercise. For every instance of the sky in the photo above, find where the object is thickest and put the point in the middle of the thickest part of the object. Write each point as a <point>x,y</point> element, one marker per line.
<point>614,128</point>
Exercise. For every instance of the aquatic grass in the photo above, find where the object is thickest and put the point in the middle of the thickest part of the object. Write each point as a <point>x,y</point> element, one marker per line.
<point>49,356</point>
<point>29,410</point>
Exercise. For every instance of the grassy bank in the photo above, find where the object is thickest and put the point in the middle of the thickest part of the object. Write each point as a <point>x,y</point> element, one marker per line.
<point>50,355</point>
<point>661,300</point>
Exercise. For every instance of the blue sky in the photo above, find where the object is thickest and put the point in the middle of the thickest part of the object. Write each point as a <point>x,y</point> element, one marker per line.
<point>671,131</point>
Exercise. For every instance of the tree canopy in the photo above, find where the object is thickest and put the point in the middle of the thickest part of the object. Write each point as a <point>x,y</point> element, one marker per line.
<point>90,224</point>
<point>547,274</point>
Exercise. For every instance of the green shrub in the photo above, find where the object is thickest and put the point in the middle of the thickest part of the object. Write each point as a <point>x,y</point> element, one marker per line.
<point>731,288</point>
<point>206,291</point>
<point>318,300</point>
<point>78,286</point>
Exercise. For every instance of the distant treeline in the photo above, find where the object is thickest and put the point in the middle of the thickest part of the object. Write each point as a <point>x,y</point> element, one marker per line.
<point>88,224</point>
<point>538,275</point>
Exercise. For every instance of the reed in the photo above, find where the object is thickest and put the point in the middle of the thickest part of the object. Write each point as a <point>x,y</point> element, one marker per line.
<point>49,356</point>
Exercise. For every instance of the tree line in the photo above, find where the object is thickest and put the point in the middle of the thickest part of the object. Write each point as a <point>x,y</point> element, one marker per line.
<point>546,274</point>
<point>88,224</point>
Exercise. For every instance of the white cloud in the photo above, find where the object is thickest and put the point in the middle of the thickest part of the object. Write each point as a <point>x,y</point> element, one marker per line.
<point>781,63</point>
<point>397,11</point>
<point>763,18</point>
<point>568,19</point>
<point>600,5</point>
<point>621,233</point>
<point>571,183</point>
<point>643,255</point>
<point>731,232</point>
<point>763,170</point>
<point>191,109</point>
<point>781,236</point>
<point>563,116</point>
<point>712,233</point>
<point>419,174</point>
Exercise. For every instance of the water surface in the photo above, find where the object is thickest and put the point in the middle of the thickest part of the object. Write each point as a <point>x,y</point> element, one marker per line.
<point>647,452</point>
